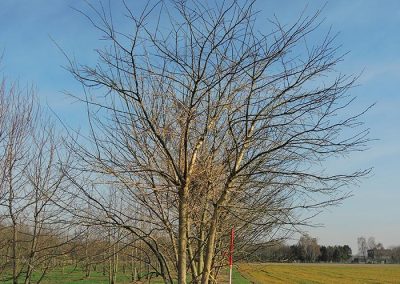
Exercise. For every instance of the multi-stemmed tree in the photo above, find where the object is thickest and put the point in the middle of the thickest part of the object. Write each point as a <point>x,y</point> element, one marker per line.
<point>203,122</point>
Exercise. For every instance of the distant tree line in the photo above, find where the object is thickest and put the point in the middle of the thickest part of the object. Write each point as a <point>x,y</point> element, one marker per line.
<point>306,250</point>
<point>335,253</point>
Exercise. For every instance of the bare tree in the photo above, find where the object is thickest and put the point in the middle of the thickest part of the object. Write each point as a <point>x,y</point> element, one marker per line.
<point>371,243</point>
<point>362,247</point>
<point>203,122</point>
<point>45,180</point>
<point>18,116</point>
<point>30,180</point>
<point>309,248</point>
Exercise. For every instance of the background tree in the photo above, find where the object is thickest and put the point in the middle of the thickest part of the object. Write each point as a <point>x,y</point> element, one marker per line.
<point>395,254</point>
<point>45,182</point>
<point>17,125</point>
<point>362,247</point>
<point>346,253</point>
<point>308,248</point>
<point>371,244</point>
<point>199,111</point>
<point>30,181</point>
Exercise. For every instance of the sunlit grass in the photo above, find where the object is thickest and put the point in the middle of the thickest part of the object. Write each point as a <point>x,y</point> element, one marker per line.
<point>320,273</point>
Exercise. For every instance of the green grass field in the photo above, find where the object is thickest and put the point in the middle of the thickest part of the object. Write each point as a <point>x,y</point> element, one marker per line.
<point>319,273</point>
<point>72,276</point>
<point>76,276</point>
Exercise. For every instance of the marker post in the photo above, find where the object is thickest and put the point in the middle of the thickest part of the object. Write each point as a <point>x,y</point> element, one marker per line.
<point>231,255</point>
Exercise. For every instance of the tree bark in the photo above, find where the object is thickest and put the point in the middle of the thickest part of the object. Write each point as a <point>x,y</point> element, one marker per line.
<point>14,254</point>
<point>210,247</point>
<point>182,237</point>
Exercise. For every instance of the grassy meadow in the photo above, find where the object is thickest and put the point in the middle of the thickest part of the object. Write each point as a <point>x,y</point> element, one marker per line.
<point>76,276</point>
<point>319,273</point>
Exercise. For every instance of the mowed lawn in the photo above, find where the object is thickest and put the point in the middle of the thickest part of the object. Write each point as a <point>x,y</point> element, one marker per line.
<point>320,273</point>
<point>76,276</point>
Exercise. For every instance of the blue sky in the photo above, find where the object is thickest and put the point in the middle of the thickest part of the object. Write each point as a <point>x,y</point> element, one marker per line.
<point>367,28</point>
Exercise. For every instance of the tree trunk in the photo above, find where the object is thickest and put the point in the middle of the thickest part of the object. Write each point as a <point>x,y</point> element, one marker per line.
<point>182,238</point>
<point>201,240</point>
<point>210,247</point>
<point>193,266</point>
<point>14,254</point>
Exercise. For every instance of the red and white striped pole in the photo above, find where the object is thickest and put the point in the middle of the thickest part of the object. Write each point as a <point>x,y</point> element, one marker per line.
<point>231,254</point>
